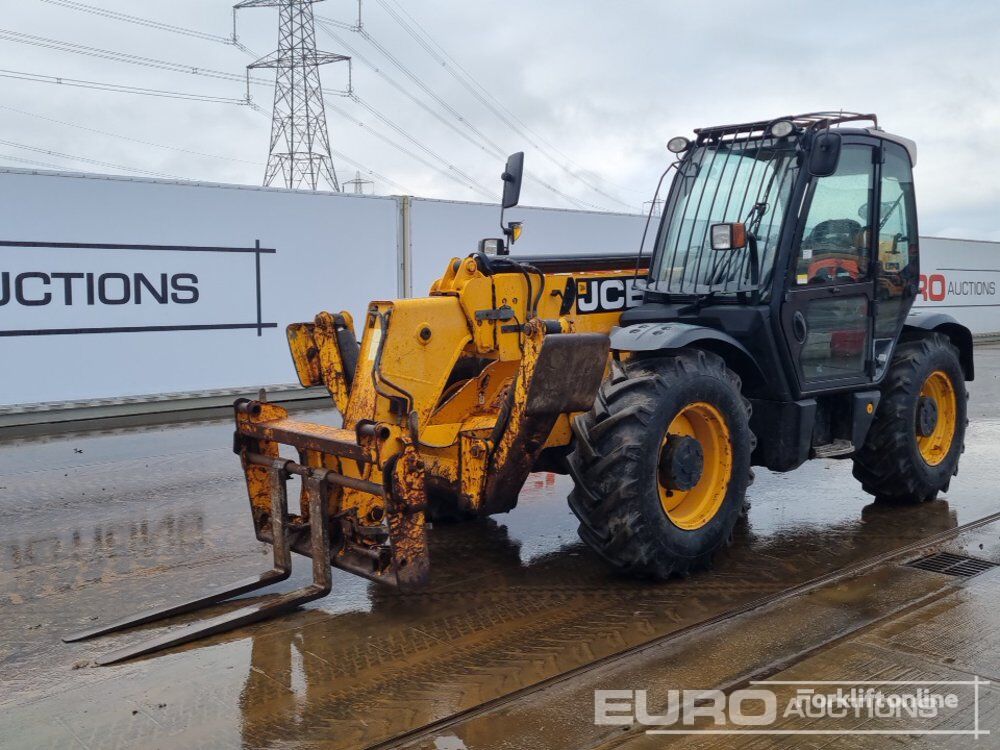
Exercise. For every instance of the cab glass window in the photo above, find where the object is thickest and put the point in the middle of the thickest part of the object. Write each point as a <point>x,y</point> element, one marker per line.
<point>835,238</point>
<point>897,242</point>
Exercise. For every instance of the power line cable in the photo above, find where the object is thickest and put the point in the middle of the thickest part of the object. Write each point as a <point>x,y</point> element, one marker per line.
<point>452,170</point>
<point>96,85</point>
<point>424,39</point>
<point>487,145</point>
<point>138,20</point>
<point>403,132</point>
<point>176,67</point>
<point>448,171</point>
<point>149,62</point>
<point>131,139</point>
<point>87,160</point>
<point>153,24</point>
<point>355,55</point>
<point>452,67</point>
<point>425,88</point>
<point>338,154</point>
<point>33,162</point>
<point>118,88</point>
<point>464,71</point>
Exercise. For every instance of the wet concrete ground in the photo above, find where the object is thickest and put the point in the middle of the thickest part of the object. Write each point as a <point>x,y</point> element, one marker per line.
<point>94,527</point>
<point>890,622</point>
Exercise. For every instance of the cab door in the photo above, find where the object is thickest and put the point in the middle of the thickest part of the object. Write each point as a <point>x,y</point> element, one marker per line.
<point>828,306</point>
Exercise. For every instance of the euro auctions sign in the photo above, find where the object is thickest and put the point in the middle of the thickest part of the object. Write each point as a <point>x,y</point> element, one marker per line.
<point>937,287</point>
<point>66,288</point>
<point>961,278</point>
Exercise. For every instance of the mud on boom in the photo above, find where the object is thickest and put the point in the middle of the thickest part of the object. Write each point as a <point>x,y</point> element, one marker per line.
<point>771,325</point>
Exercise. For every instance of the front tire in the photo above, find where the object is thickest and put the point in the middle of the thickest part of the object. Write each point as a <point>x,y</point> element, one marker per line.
<point>662,463</point>
<point>912,449</point>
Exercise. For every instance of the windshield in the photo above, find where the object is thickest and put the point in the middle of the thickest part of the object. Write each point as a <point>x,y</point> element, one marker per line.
<point>746,181</point>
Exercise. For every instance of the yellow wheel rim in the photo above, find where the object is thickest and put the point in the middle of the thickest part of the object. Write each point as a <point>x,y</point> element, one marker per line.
<point>934,447</point>
<point>691,509</point>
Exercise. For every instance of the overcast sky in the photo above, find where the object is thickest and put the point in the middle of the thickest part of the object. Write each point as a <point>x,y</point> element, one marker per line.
<point>601,86</point>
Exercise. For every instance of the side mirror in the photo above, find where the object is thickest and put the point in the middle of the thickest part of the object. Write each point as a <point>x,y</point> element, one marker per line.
<point>729,236</point>
<point>825,154</point>
<point>512,179</point>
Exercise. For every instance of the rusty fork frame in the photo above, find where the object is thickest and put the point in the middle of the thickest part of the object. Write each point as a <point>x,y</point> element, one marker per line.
<point>315,484</point>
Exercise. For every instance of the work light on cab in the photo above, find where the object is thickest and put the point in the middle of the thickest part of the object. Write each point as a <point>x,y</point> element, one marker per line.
<point>782,128</point>
<point>678,145</point>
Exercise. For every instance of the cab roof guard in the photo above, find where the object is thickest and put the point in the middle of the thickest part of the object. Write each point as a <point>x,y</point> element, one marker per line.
<point>807,121</point>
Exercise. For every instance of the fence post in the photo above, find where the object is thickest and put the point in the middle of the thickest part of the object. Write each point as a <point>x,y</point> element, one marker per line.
<point>404,249</point>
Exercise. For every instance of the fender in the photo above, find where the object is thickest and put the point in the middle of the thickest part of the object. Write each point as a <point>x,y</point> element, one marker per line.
<point>653,337</point>
<point>918,321</point>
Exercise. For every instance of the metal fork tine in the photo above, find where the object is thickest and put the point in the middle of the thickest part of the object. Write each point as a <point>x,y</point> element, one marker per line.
<point>212,597</point>
<point>281,570</point>
<point>322,582</point>
<point>220,624</point>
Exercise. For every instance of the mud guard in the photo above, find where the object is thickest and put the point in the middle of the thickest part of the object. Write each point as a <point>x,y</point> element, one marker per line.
<point>559,373</point>
<point>928,321</point>
<point>655,337</point>
<point>651,337</point>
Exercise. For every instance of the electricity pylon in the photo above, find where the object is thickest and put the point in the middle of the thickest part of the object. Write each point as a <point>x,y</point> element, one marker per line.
<point>358,184</point>
<point>300,144</point>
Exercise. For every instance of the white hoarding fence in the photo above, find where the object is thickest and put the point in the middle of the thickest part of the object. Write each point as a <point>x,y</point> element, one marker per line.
<point>441,230</point>
<point>960,277</point>
<point>119,287</point>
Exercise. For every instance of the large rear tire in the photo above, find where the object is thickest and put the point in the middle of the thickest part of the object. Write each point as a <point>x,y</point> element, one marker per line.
<point>662,463</point>
<point>912,449</point>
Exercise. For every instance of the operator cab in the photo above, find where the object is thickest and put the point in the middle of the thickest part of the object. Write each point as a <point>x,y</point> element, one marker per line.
<point>774,329</point>
<point>797,237</point>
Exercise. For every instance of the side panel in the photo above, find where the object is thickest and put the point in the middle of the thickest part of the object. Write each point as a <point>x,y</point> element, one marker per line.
<point>331,252</point>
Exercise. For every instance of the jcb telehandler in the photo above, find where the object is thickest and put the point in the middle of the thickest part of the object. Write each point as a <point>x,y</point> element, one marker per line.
<point>771,325</point>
